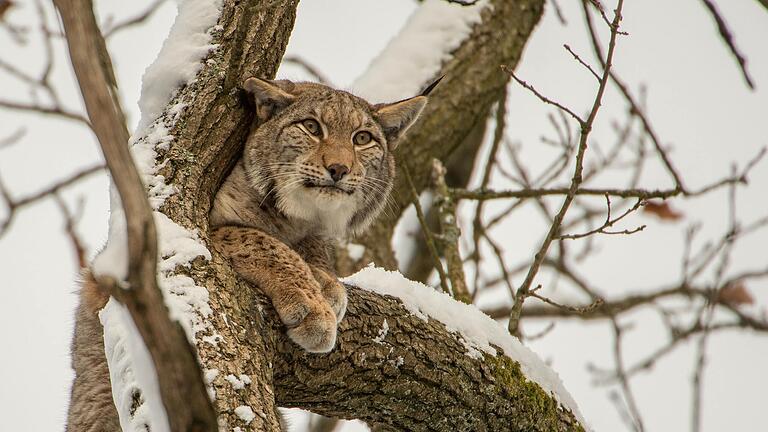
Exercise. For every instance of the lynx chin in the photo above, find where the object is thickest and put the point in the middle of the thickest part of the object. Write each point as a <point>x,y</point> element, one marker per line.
<point>318,165</point>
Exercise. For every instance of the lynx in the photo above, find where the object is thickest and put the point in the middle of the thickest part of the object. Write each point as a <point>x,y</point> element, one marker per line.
<point>317,165</point>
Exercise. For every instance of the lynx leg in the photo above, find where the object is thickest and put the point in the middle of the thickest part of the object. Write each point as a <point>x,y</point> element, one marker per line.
<point>286,279</point>
<point>91,407</point>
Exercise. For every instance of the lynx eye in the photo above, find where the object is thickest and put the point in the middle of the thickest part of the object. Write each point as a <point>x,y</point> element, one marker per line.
<point>362,138</point>
<point>312,126</point>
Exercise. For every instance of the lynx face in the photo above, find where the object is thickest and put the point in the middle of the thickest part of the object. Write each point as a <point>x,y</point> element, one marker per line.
<point>324,154</point>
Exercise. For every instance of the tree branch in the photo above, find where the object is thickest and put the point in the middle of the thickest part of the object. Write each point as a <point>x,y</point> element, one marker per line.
<point>417,378</point>
<point>179,377</point>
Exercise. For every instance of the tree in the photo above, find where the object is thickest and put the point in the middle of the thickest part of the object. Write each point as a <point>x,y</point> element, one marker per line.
<point>204,139</point>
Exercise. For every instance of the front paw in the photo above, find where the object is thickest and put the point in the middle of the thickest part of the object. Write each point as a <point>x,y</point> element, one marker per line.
<point>333,291</point>
<point>317,331</point>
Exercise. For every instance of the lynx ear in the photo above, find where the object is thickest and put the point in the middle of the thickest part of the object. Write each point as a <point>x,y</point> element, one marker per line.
<point>269,96</point>
<point>397,117</point>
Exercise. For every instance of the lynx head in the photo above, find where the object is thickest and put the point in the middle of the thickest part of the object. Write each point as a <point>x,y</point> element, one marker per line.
<point>324,155</point>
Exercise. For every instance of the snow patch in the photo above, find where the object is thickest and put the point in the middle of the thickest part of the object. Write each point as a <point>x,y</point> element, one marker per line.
<point>179,59</point>
<point>415,55</point>
<point>478,332</point>
<point>131,370</point>
<point>382,333</point>
<point>355,251</point>
<point>238,383</point>
<point>245,413</point>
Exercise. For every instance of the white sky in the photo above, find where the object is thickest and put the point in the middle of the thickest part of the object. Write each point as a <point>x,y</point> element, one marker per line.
<point>697,102</point>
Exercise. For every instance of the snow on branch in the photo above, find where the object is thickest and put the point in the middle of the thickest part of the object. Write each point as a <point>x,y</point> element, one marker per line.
<point>480,333</point>
<point>415,55</point>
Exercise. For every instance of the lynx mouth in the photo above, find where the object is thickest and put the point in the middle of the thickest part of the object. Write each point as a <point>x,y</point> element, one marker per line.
<point>333,189</point>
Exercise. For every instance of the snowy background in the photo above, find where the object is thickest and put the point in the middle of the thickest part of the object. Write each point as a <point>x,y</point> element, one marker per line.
<point>697,102</point>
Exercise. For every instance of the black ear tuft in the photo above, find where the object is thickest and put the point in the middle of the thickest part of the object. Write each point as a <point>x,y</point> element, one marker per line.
<point>432,86</point>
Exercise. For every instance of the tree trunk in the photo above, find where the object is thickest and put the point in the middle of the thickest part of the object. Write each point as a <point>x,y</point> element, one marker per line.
<point>436,386</point>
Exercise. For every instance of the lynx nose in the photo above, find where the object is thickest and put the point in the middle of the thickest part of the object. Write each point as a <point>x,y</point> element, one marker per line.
<point>337,171</point>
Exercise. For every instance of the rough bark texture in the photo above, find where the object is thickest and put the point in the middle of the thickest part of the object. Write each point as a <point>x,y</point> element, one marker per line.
<point>473,80</point>
<point>416,378</point>
<point>437,387</point>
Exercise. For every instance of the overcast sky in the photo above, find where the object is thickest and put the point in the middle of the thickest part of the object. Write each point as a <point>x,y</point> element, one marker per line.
<point>697,101</point>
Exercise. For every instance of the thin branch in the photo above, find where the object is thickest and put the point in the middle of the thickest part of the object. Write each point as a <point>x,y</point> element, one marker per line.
<point>449,233</point>
<point>583,63</point>
<point>608,223</point>
<point>55,111</point>
<point>309,68</point>
<point>586,127</point>
<point>635,106</point>
<point>727,36</point>
<point>13,138</point>
<point>428,238</point>
<point>543,98</point>
<point>575,309</point>
<point>70,227</point>
<point>623,379</point>
<point>111,30</point>
<point>14,205</point>
<point>559,12</point>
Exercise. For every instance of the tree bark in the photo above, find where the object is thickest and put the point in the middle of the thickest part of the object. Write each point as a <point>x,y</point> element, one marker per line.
<point>416,378</point>
<point>437,387</point>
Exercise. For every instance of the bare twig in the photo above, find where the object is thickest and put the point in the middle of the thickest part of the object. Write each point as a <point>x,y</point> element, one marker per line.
<point>111,30</point>
<point>576,309</point>
<point>623,379</point>
<point>70,222</point>
<point>309,68</point>
<point>725,34</point>
<point>428,237</point>
<point>541,97</point>
<point>586,127</point>
<point>14,205</point>
<point>608,223</point>
<point>559,12</point>
<point>12,138</point>
<point>635,106</point>
<point>582,62</point>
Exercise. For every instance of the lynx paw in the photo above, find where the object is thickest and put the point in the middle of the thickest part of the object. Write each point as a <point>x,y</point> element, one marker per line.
<point>333,291</point>
<point>317,331</point>
<point>310,320</point>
